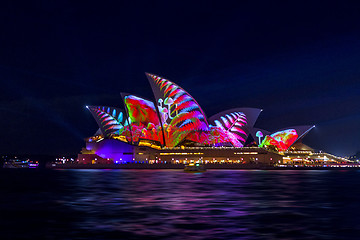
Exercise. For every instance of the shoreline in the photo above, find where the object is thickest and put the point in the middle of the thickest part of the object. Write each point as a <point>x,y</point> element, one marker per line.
<point>207,166</point>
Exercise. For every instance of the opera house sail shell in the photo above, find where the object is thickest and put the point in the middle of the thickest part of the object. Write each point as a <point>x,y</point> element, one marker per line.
<point>112,122</point>
<point>143,118</point>
<point>282,140</point>
<point>235,123</point>
<point>179,112</point>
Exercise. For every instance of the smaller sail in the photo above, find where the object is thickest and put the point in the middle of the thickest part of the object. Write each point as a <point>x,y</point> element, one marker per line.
<point>111,120</point>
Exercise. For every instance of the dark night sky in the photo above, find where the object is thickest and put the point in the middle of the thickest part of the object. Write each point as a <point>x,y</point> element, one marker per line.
<point>297,60</point>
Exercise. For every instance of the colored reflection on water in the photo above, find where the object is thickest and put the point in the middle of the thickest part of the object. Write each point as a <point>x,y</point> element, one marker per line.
<point>171,204</point>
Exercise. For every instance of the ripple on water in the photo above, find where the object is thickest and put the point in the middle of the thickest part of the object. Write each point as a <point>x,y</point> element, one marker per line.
<point>171,204</point>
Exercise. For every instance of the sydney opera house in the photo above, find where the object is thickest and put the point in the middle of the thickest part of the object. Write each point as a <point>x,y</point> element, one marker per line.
<point>175,129</point>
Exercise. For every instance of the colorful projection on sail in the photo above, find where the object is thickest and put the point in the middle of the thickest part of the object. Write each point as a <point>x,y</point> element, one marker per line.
<point>232,124</point>
<point>282,140</point>
<point>215,136</point>
<point>111,121</point>
<point>144,120</point>
<point>180,114</point>
<point>228,131</point>
<point>236,124</point>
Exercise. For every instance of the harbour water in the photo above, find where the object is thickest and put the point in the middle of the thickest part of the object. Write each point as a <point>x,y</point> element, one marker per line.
<point>171,204</point>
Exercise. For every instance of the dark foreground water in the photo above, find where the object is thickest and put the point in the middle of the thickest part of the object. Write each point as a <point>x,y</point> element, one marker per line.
<point>171,204</point>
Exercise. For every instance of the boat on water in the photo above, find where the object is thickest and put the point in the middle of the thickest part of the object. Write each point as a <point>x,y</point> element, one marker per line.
<point>194,168</point>
<point>17,163</point>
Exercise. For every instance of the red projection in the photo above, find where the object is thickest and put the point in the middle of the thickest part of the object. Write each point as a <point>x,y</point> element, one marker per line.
<point>282,139</point>
<point>144,120</point>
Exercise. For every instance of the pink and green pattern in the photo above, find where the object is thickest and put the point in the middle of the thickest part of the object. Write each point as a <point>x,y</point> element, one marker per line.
<point>144,120</point>
<point>282,140</point>
<point>180,114</point>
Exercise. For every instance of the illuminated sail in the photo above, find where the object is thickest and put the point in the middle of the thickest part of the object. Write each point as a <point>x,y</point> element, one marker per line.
<point>179,112</point>
<point>284,139</point>
<point>235,123</point>
<point>111,121</point>
<point>144,119</point>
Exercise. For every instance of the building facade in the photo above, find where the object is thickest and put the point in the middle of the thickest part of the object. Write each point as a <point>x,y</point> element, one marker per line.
<point>175,129</point>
